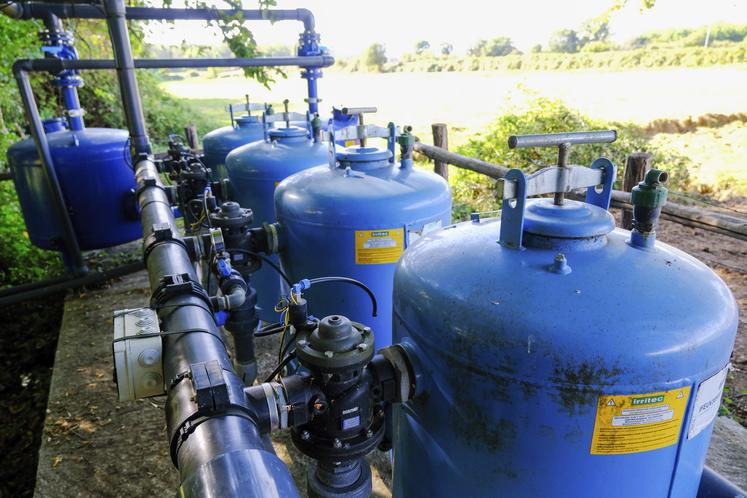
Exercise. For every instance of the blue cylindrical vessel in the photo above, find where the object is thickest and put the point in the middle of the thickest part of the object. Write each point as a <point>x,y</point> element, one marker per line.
<point>354,220</point>
<point>218,143</point>
<point>578,365</point>
<point>97,181</point>
<point>255,170</point>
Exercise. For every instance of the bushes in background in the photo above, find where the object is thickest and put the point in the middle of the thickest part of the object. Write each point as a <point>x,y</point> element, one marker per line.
<point>475,192</point>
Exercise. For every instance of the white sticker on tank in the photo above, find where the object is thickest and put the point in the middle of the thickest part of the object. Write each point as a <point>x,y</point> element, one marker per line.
<point>707,402</point>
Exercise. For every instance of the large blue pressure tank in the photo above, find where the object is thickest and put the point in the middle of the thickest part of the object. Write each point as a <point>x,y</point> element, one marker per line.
<point>354,218</point>
<point>575,363</point>
<point>255,170</point>
<point>218,143</point>
<point>97,181</point>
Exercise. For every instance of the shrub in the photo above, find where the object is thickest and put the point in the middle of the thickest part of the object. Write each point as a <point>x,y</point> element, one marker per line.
<point>544,115</point>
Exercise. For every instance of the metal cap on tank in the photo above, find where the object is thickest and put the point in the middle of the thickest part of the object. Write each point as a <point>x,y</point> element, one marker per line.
<point>364,157</point>
<point>571,220</point>
<point>289,133</point>
<point>336,344</point>
<point>245,121</point>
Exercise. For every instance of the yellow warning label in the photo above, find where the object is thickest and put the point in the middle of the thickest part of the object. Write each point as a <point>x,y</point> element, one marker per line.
<point>377,247</point>
<point>631,423</point>
<point>350,143</point>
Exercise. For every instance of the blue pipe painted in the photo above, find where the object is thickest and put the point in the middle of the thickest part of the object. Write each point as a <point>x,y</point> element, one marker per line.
<point>58,44</point>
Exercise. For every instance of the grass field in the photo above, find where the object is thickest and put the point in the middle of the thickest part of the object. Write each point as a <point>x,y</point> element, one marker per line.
<point>469,101</point>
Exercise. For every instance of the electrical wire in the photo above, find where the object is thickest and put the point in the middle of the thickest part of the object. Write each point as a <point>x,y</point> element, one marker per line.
<point>280,366</point>
<point>352,281</point>
<point>267,260</point>
<point>271,329</point>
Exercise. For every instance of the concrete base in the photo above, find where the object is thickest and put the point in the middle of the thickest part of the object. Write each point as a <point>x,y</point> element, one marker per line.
<point>94,445</point>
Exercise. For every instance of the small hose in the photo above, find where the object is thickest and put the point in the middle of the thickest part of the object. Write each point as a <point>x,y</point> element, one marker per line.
<point>280,366</point>
<point>266,260</point>
<point>352,281</point>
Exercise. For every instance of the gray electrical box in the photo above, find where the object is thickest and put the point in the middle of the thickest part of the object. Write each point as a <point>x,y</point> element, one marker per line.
<point>137,349</point>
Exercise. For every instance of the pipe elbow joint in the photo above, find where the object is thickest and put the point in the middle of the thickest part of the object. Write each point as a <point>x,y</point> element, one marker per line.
<point>307,17</point>
<point>14,10</point>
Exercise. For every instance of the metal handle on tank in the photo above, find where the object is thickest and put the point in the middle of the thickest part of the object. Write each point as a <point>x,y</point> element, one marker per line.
<point>554,180</point>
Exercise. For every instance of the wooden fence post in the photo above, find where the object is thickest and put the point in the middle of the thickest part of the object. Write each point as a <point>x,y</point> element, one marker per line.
<point>193,139</point>
<point>441,140</point>
<point>637,165</point>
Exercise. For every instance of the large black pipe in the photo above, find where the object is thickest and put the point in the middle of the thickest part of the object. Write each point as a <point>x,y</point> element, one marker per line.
<point>57,65</point>
<point>46,288</point>
<point>37,10</point>
<point>224,454</point>
<point>71,248</point>
<point>133,109</point>
<point>227,448</point>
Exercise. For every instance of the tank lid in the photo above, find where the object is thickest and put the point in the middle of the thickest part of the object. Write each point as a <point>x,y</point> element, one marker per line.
<point>357,154</point>
<point>53,124</point>
<point>246,120</point>
<point>288,132</point>
<point>572,220</point>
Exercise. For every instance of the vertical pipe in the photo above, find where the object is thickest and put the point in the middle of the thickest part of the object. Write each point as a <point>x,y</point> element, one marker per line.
<point>71,250</point>
<point>133,108</point>
<point>313,95</point>
<point>72,106</point>
<point>563,150</point>
<point>68,79</point>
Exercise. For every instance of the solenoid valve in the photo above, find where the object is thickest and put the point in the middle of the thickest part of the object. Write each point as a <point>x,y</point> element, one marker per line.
<point>138,355</point>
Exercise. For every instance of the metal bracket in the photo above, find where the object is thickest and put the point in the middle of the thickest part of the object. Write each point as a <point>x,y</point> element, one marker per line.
<point>609,173</point>
<point>361,132</point>
<point>211,390</point>
<point>516,187</point>
<point>512,212</point>
<point>554,179</point>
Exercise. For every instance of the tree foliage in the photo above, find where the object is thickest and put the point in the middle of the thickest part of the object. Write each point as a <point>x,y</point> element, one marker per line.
<point>446,48</point>
<point>375,56</point>
<point>422,46</point>
<point>475,192</point>
<point>565,41</point>
<point>497,47</point>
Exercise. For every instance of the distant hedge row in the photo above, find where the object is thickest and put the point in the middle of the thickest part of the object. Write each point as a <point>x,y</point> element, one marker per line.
<point>612,60</point>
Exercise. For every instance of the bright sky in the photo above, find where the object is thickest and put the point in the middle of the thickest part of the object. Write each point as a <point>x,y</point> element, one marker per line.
<point>348,26</point>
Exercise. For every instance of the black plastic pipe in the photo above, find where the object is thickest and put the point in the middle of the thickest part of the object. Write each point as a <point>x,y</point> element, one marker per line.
<point>225,455</point>
<point>56,65</point>
<point>37,10</point>
<point>133,109</point>
<point>48,287</point>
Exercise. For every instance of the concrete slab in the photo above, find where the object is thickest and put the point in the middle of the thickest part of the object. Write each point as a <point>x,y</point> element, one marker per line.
<point>95,446</point>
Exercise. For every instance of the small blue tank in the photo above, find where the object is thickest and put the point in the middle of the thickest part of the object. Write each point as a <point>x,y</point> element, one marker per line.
<point>97,181</point>
<point>353,218</point>
<point>254,171</point>
<point>560,356</point>
<point>218,143</point>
